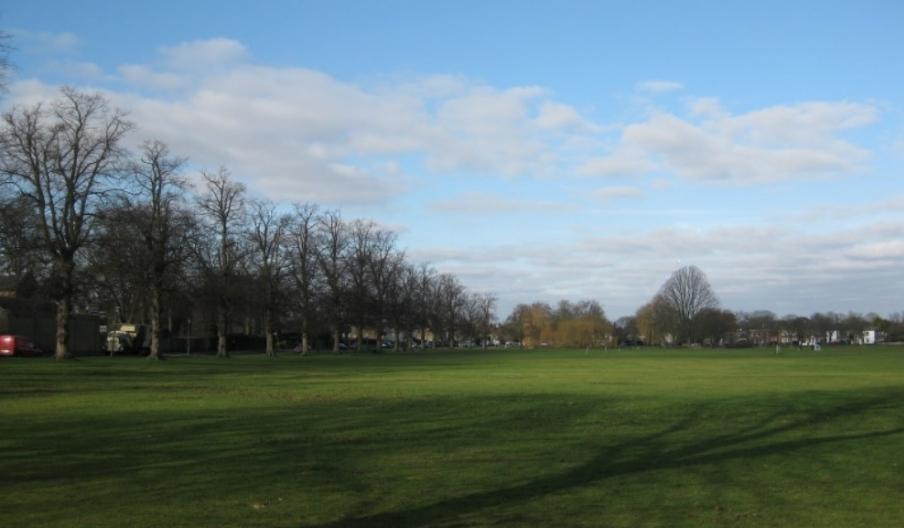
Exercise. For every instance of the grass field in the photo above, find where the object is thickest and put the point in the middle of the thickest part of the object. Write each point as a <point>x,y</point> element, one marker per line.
<point>474,438</point>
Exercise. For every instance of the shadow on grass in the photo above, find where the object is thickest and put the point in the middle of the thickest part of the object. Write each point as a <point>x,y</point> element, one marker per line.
<point>199,445</point>
<point>660,450</point>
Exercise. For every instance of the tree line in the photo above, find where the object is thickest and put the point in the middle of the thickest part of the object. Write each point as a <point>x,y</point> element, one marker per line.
<point>686,310</point>
<point>92,225</point>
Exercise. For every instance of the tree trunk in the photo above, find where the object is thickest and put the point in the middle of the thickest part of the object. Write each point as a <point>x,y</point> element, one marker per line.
<point>221,332</point>
<point>62,328</point>
<point>335,332</point>
<point>64,310</point>
<point>395,343</point>
<point>268,328</point>
<point>410,333</point>
<point>304,335</point>
<point>154,352</point>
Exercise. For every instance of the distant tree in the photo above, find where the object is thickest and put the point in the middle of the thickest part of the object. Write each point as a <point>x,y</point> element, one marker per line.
<point>360,301</point>
<point>799,328</point>
<point>400,302</point>
<point>163,224</point>
<point>686,293</point>
<point>117,263</point>
<point>646,324</point>
<point>485,304</point>
<point>383,268</point>
<point>64,158</point>
<point>222,206</point>
<point>512,327</point>
<point>762,326</point>
<point>426,305</point>
<point>824,324</point>
<point>451,302</point>
<point>536,324</point>
<point>332,260</point>
<point>714,324</point>
<point>20,238</point>
<point>267,233</point>
<point>853,326</point>
<point>303,266</point>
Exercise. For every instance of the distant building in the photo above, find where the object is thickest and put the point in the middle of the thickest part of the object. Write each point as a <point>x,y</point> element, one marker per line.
<point>7,287</point>
<point>37,320</point>
<point>872,337</point>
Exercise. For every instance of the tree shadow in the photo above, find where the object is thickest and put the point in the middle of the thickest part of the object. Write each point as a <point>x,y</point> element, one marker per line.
<point>660,450</point>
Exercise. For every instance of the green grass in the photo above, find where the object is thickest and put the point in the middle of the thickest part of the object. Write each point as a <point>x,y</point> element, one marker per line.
<point>454,439</point>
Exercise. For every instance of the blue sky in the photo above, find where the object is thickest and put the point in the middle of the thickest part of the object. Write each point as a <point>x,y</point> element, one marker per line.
<point>561,150</point>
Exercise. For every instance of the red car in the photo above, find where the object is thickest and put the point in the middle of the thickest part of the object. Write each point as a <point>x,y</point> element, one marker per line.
<point>14,345</point>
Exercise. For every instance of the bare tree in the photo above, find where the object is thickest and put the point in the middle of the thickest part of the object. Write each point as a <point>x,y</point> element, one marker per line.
<point>117,262</point>
<point>486,308</point>
<point>361,234</point>
<point>331,259</point>
<point>162,224</point>
<point>384,267</point>
<point>450,294</point>
<point>401,303</point>
<point>223,206</point>
<point>303,265</point>
<point>425,301</point>
<point>5,64</point>
<point>268,239</point>
<point>63,158</point>
<point>20,242</point>
<point>686,293</point>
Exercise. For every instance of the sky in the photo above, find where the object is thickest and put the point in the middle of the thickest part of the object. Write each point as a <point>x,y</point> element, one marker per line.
<point>538,150</point>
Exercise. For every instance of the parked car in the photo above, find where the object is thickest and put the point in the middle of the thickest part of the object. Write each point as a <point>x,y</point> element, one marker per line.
<point>16,345</point>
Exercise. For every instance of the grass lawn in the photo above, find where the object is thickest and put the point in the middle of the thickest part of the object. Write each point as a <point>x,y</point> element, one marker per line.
<point>455,439</point>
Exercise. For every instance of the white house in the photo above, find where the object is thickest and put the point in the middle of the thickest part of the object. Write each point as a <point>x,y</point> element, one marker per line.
<point>871,337</point>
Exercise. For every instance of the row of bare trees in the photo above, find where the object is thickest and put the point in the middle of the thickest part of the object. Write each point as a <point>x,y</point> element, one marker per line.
<point>90,224</point>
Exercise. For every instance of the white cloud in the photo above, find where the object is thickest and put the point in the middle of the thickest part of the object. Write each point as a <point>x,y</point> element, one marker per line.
<point>780,267</point>
<point>893,205</point>
<point>300,134</point>
<point>618,164</point>
<point>45,42</point>
<point>555,115</point>
<point>707,108</point>
<point>143,76</point>
<point>487,203</point>
<point>898,147</point>
<point>205,54</point>
<point>28,92</point>
<point>78,69</point>
<point>892,250</point>
<point>659,87</point>
<point>771,144</point>
<point>806,123</point>
<point>607,194</point>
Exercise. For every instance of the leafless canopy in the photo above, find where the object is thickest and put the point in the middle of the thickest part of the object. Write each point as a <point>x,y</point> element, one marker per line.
<point>63,158</point>
<point>5,64</point>
<point>687,293</point>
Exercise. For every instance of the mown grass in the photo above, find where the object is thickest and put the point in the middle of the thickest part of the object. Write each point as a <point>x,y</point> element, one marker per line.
<point>453,439</point>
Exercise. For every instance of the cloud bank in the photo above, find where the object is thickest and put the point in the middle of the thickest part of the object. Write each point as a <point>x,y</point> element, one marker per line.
<point>305,135</point>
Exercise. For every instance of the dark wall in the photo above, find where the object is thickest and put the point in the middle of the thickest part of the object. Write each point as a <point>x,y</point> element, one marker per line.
<point>37,320</point>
